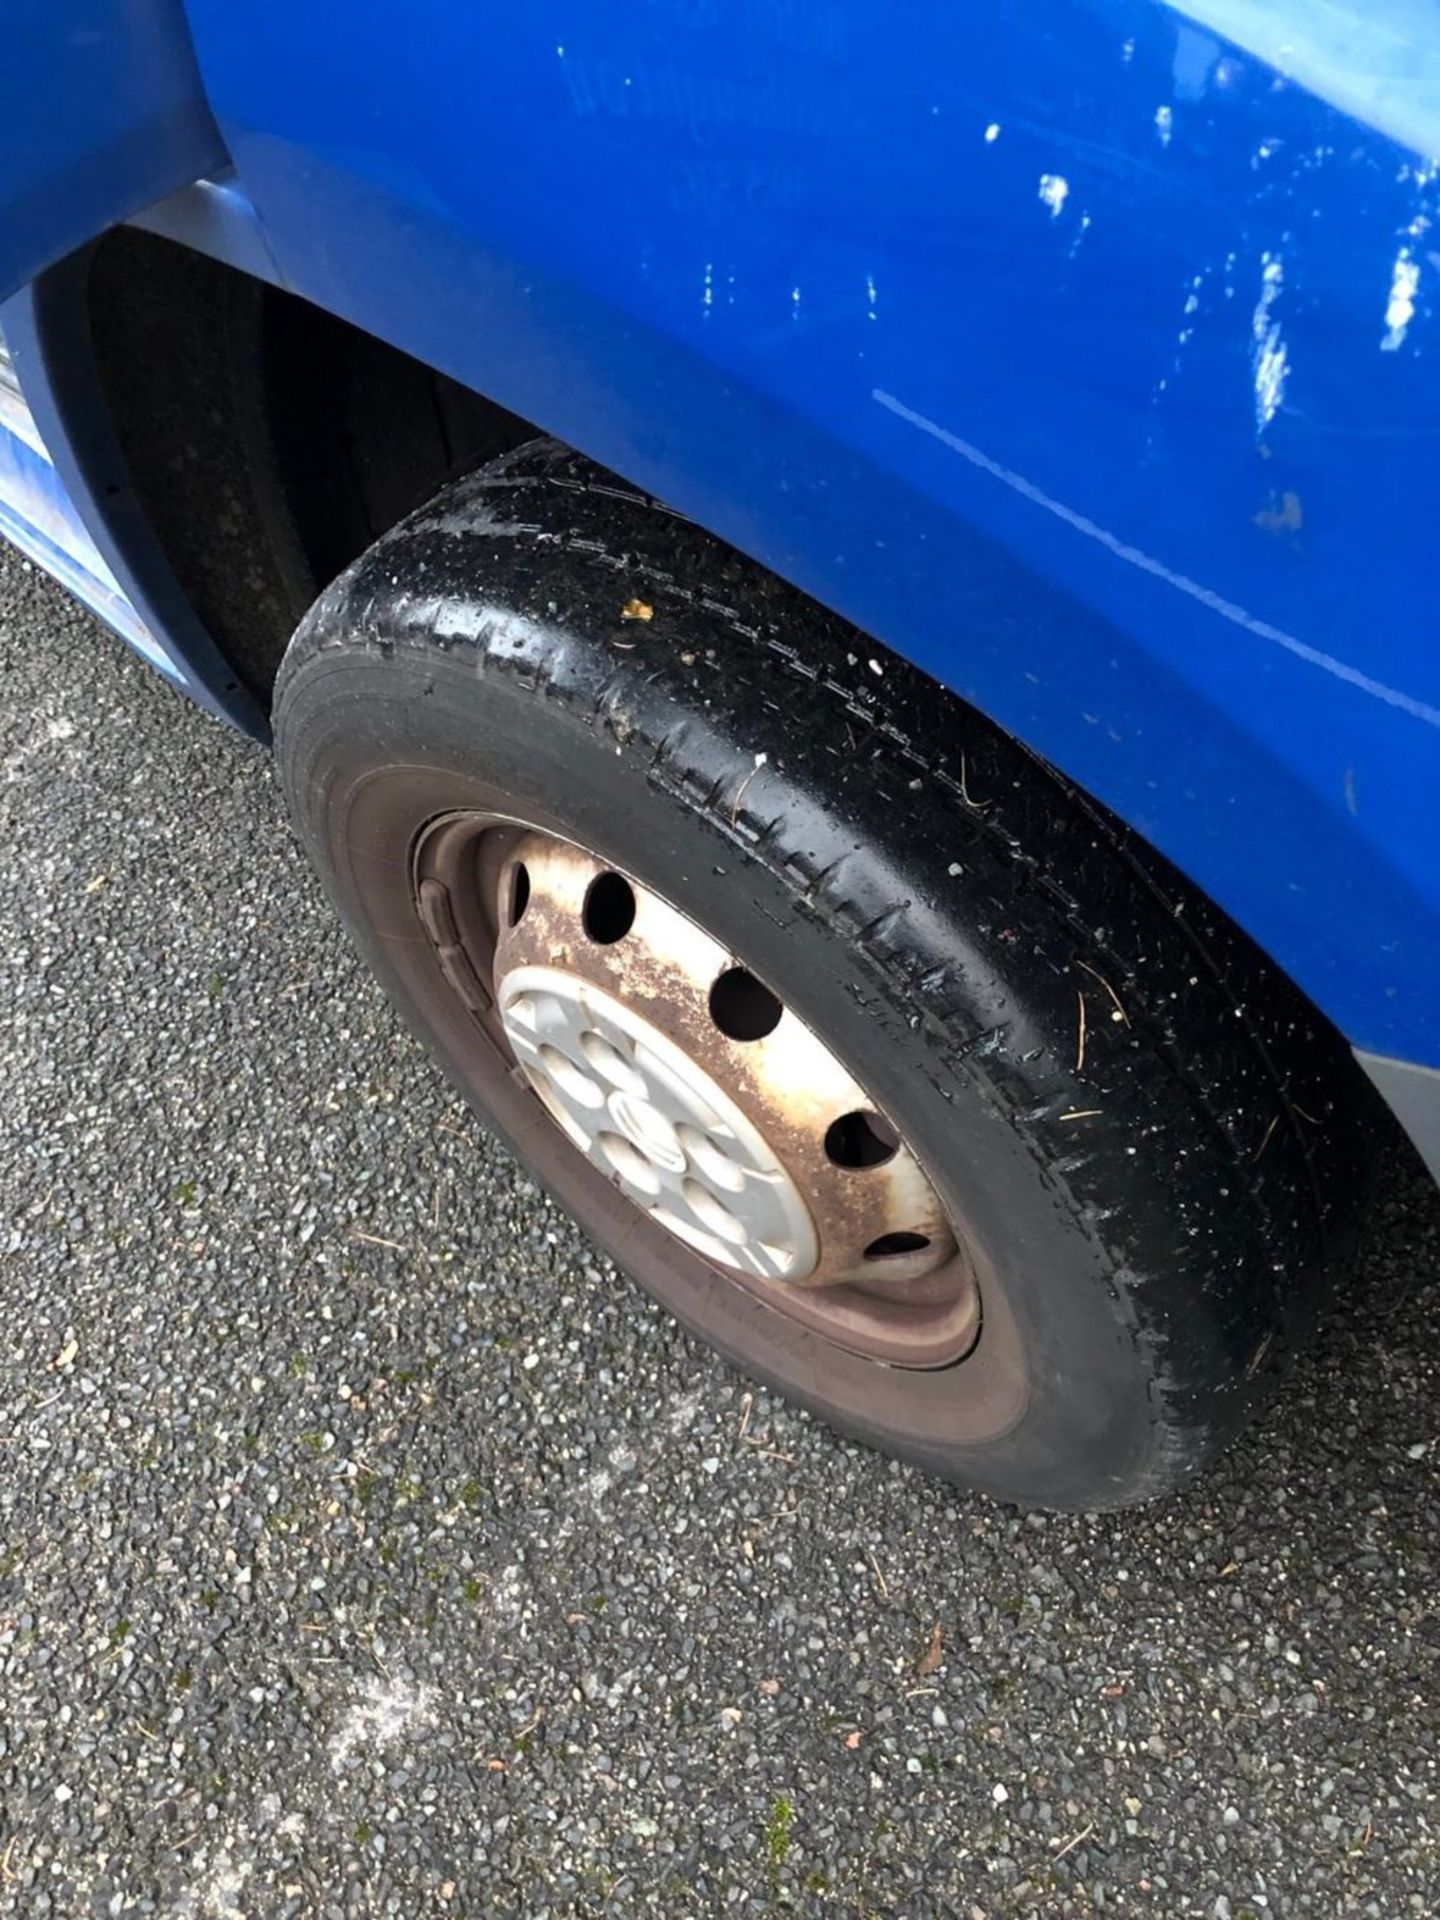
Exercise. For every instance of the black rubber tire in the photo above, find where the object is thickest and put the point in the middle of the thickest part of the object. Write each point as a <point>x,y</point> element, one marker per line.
<point>1154,1208</point>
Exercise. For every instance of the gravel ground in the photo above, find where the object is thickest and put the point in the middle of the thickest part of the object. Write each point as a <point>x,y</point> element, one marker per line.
<point>367,1548</point>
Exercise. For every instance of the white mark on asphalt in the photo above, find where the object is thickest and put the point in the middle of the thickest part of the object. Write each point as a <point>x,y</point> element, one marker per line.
<point>216,1893</point>
<point>53,730</point>
<point>681,1412</point>
<point>620,1459</point>
<point>507,1597</point>
<point>383,1712</point>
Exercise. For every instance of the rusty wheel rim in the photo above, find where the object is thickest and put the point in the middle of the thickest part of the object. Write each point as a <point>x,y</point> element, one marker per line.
<point>705,1100</point>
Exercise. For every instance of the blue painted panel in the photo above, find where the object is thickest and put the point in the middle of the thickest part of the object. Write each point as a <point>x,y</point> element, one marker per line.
<point>36,515</point>
<point>100,113</point>
<point>1066,347</point>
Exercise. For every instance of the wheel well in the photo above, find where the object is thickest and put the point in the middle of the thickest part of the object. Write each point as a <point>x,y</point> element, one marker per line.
<point>267,442</point>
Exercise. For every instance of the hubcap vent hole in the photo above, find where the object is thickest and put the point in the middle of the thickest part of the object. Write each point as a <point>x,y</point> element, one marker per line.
<point>708,1159</point>
<point>861,1139</point>
<point>578,1086</point>
<point>519,892</point>
<point>609,911</point>
<point>741,1007</point>
<point>611,1064</point>
<point>714,1217</point>
<point>630,1163</point>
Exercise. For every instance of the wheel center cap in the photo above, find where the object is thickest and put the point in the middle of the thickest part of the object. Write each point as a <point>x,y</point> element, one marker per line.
<point>657,1124</point>
<point>647,1129</point>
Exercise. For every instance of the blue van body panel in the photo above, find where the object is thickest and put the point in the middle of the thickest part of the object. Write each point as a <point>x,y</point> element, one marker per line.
<point>1071,349</point>
<point>101,112</point>
<point>37,515</point>
<point>1064,347</point>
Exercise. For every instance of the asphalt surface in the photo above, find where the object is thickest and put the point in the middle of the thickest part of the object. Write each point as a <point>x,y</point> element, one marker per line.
<point>367,1547</point>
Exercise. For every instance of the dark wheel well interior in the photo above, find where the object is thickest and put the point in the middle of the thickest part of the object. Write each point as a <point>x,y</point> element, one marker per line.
<point>267,441</point>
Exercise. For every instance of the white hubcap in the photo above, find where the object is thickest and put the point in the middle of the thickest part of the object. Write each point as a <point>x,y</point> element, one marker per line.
<point>657,1124</point>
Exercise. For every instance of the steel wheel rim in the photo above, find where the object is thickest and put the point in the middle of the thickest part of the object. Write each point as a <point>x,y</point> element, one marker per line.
<point>756,1151</point>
